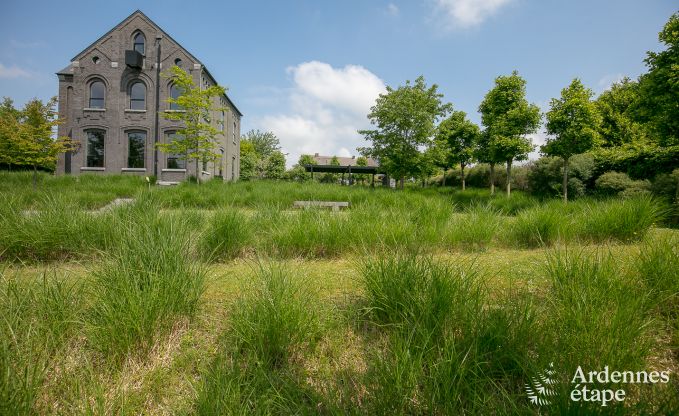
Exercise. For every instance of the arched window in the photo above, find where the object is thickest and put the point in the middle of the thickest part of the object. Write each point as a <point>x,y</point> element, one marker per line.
<point>139,43</point>
<point>175,161</point>
<point>174,94</point>
<point>138,96</point>
<point>97,94</point>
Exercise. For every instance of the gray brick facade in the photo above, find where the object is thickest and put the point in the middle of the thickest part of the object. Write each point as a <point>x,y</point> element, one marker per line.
<point>120,124</point>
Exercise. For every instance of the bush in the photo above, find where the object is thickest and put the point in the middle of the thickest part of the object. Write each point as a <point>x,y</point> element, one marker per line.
<point>545,176</point>
<point>612,183</point>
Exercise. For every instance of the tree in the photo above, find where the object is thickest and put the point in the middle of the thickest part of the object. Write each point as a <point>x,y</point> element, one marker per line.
<point>26,135</point>
<point>405,120</point>
<point>508,118</point>
<point>573,121</point>
<point>275,165</point>
<point>361,161</point>
<point>306,160</point>
<point>619,116</point>
<point>264,143</point>
<point>248,160</point>
<point>196,139</point>
<point>458,138</point>
<point>659,88</point>
<point>485,153</point>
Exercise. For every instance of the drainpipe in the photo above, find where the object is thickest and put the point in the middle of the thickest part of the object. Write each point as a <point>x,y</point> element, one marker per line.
<point>157,122</point>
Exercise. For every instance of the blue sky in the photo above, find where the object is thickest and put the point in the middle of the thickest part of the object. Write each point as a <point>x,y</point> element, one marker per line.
<point>310,70</point>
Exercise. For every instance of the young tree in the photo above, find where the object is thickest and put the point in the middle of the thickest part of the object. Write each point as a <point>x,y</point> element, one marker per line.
<point>26,136</point>
<point>458,138</point>
<point>196,139</point>
<point>573,121</point>
<point>248,160</point>
<point>405,120</point>
<point>508,118</point>
<point>275,165</point>
<point>265,143</point>
<point>485,153</point>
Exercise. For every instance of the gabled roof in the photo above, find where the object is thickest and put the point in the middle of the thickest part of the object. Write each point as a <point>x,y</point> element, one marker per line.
<point>165,34</point>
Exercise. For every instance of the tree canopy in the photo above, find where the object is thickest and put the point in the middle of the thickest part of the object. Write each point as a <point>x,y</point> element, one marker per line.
<point>573,124</point>
<point>405,121</point>
<point>457,137</point>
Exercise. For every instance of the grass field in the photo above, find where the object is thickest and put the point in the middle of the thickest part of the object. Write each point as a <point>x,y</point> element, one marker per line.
<point>221,299</point>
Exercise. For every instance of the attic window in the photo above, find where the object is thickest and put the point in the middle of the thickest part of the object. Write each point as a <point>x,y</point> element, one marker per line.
<point>178,62</point>
<point>139,43</point>
<point>95,59</point>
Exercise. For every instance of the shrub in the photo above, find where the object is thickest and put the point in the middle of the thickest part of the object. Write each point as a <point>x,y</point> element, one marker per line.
<point>147,281</point>
<point>545,176</point>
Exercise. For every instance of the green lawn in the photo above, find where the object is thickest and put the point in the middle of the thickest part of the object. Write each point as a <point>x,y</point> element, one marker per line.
<point>414,302</point>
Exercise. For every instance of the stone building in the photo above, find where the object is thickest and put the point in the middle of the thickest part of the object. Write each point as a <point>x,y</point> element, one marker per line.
<point>112,102</point>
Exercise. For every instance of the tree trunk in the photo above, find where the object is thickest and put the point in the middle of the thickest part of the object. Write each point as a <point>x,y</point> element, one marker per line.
<point>492,178</point>
<point>462,174</point>
<point>444,177</point>
<point>35,177</point>
<point>565,179</point>
<point>403,181</point>
<point>509,178</point>
<point>197,173</point>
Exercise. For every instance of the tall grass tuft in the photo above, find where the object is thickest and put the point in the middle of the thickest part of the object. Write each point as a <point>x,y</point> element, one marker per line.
<point>227,235</point>
<point>624,220</point>
<point>539,226</point>
<point>596,317</point>
<point>36,320</point>
<point>475,229</point>
<point>147,282</point>
<point>275,323</point>
<point>446,352</point>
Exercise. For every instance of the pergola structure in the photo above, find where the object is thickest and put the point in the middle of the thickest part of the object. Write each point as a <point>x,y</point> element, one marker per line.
<point>370,170</point>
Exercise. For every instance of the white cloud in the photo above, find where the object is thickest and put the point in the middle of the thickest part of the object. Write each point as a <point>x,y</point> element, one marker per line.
<point>468,13</point>
<point>326,108</point>
<point>13,71</point>
<point>393,9</point>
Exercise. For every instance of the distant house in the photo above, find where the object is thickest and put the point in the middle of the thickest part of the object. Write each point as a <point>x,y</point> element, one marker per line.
<point>112,98</point>
<point>343,161</point>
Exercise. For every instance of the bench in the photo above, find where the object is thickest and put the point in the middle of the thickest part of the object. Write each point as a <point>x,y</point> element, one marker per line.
<point>335,205</point>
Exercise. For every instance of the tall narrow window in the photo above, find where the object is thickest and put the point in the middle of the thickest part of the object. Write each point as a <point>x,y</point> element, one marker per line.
<point>139,43</point>
<point>175,161</point>
<point>174,94</point>
<point>97,94</point>
<point>136,144</point>
<point>95,148</point>
<point>138,96</point>
<point>221,121</point>
<point>233,133</point>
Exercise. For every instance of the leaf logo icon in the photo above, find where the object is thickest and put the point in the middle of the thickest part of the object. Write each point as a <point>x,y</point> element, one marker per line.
<point>540,388</point>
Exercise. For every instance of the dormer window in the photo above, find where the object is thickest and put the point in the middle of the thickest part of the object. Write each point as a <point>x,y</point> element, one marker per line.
<point>139,41</point>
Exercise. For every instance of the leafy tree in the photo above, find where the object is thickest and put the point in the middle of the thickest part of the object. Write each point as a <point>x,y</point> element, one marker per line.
<point>26,135</point>
<point>573,121</point>
<point>405,120</point>
<point>361,161</point>
<point>485,153</point>
<point>619,118</point>
<point>306,160</point>
<point>248,160</point>
<point>196,139</point>
<point>265,143</point>
<point>659,88</point>
<point>508,118</point>
<point>458,138</point>
<point>275,166</point>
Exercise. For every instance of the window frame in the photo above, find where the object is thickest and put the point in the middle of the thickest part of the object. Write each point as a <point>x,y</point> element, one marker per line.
<point>137,100</point>
<point>174,106</point>
<point>179,163</point>
<point>91,97</point>
<point>144,138</point>
<point>89,134</point>
<point>142,43</point>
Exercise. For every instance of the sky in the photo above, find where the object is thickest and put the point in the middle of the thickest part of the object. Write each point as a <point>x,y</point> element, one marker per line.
<point>309,70</point>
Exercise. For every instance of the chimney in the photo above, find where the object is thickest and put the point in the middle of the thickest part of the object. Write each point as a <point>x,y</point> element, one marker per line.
<point>353,157</point>
<point>315,154</point>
